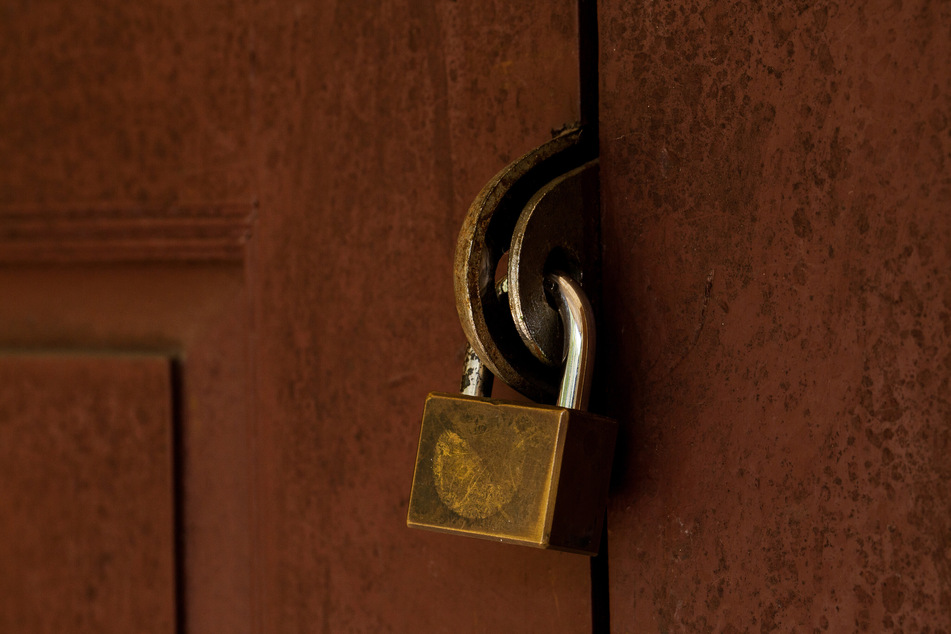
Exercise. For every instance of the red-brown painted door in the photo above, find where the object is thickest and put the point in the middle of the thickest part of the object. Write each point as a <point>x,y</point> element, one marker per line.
<point>268,193</point>
<point>378,125</point>
<point>777,241</point>
<point>86,486</point>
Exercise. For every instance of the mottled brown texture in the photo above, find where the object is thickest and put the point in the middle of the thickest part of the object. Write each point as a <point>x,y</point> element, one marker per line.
<point>199,314</point>
<point>776,197</point>
<point>378,125</point>
<point>125,138</point>
<point>124,102</point>
<point>363,129</point>
<point>86,532</point>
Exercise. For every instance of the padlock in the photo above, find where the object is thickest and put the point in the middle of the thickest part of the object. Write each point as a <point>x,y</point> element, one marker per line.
<point>521,473</point>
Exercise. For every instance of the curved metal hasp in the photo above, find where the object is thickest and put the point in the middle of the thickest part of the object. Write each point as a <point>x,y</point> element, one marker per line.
<point>557,230</point>
<point>487,234</point>
<point>577,319</point>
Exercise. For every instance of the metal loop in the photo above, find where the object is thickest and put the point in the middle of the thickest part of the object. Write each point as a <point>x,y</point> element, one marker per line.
<point>485,236</point>
<point>557,231</point>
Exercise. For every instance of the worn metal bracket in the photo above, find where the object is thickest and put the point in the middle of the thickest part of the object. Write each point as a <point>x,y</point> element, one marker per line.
<point>543,210</point>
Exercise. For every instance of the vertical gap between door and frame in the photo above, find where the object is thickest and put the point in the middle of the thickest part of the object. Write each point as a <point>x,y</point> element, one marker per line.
<point>588,80</point>
<point>588,66</point>
<point>176,373</point>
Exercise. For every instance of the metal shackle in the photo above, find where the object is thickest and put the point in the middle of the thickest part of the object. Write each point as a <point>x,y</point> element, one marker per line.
<point>577,317</point>
<point>476,378</point>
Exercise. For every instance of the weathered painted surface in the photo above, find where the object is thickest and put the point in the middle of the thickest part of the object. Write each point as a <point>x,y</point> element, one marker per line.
<point>776,199</point>
<point>778,247</point>
<point>379,124</point>
<point>86,532</point>
<point>199,314</point>
<point>119,102</point>
<point>348,139</point>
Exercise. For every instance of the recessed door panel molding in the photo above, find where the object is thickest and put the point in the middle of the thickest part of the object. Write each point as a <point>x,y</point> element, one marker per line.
<point>115,233</point>
<point>86,487</point>
<point>196,313</point>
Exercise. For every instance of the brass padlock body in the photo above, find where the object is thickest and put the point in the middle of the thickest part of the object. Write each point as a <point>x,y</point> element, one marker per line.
<point>521,473</point>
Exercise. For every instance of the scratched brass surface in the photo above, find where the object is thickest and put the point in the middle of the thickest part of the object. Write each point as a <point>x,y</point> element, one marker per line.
<point>495,469</point>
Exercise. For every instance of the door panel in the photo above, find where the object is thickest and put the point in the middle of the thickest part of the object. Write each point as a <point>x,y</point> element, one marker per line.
<point>270,192</point>
<point>405,111</point>
<point>776,195</point>
<point>194,312</point>
<point>86,487</point>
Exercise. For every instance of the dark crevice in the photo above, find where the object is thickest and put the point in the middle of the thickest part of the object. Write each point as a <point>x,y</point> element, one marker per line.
<point>600,597</point>
<point>588,89</point>
<point>178,490</point>
<point>588,67</point>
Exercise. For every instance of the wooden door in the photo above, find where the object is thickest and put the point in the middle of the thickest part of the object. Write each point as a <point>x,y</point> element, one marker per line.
<point>378,124</point>
<point>776,192</point>
<point>265,198</point>
<point>86,488</point>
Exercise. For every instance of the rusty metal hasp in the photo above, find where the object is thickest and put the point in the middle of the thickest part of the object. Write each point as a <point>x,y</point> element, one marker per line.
<point>543,210</point>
